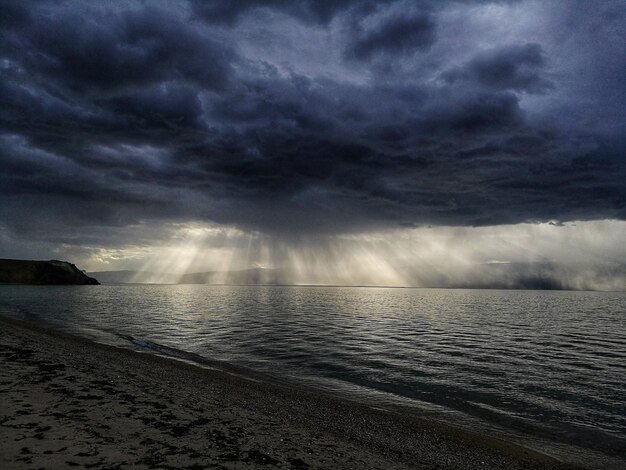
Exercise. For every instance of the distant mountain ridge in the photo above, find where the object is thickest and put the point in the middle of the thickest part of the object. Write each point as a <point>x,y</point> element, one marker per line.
<point>15,271</point>
<point>244,276</point>
<point>134,277</point>
<point>497,275</point>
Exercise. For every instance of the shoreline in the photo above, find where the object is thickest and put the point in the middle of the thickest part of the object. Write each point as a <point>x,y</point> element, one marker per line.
<point>70,401</point>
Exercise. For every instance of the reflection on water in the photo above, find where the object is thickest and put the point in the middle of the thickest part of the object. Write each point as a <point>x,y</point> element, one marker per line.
<point>536,363</point>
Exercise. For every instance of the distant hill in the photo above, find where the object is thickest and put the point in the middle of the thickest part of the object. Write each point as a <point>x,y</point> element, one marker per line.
<point>14,271</point>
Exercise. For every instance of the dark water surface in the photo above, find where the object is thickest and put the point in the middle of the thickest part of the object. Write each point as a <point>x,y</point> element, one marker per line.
<point>544,368</point>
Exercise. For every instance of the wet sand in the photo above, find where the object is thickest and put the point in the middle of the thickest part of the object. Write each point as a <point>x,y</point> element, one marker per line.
<point>67,402</point>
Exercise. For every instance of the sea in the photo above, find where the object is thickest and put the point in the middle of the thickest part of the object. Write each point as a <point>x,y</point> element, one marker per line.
<point>545,369</point>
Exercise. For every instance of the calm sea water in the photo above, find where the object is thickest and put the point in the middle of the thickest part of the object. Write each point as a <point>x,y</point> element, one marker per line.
<point>544,368</point>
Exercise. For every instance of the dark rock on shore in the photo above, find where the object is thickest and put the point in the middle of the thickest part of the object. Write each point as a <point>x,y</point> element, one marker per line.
<point>14,271</point>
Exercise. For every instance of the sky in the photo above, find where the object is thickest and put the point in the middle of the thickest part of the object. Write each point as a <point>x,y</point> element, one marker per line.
<point>379,142</point>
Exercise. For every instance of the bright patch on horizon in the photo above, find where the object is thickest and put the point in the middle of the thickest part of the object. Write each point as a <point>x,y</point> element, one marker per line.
<point>580,255</point>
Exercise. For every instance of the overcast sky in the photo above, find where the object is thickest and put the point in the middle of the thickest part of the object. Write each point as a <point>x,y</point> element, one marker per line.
<point>291,119</point>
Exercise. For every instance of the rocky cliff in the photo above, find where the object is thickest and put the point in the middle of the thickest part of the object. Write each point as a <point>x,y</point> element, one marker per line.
<point>13,271</point>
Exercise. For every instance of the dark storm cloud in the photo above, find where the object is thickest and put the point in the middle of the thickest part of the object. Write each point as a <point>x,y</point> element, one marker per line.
<point>111,50</point>
<point>315,11</point>
<point>397,35</point>
<point>14,13</point>
<point>517,67</point>
<point>164,106</point>
<point>111,115</point>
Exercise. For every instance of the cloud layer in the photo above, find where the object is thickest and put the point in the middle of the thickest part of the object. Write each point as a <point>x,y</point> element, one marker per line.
<point>307,116</point>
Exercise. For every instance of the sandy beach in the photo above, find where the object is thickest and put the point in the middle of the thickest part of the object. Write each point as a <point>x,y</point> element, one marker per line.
<point>68,402</point>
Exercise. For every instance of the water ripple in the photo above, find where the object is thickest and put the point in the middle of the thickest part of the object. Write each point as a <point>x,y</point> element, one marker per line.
<point>536,362</point>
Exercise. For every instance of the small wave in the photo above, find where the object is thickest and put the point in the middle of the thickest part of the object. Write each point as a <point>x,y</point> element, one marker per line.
<point>188,357</point>
<point>162,349</point>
